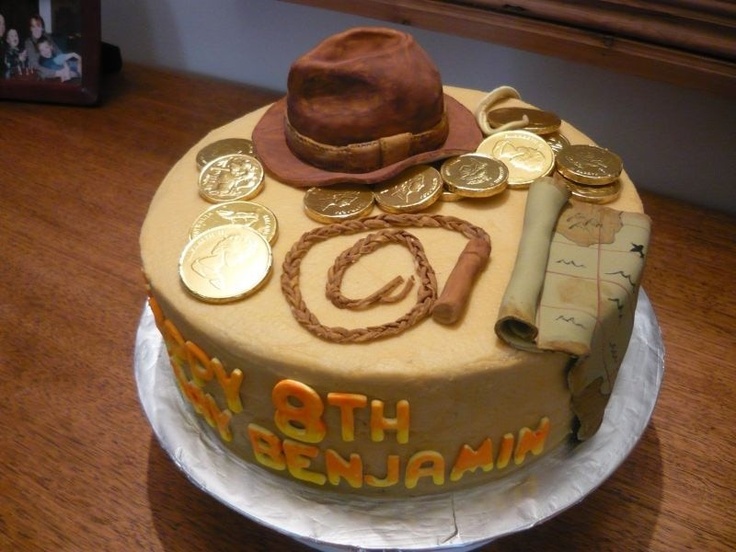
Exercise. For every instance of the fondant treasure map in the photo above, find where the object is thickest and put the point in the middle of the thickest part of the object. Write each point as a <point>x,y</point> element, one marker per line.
<point>574,289</point>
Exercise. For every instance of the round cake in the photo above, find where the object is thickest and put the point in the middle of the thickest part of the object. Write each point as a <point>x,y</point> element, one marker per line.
<point>434,407</point>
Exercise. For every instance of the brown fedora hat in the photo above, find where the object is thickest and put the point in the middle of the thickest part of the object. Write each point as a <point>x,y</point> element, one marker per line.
<point>361,107</point>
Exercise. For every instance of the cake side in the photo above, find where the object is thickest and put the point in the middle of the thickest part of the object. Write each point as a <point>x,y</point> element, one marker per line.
<point>340,416</point>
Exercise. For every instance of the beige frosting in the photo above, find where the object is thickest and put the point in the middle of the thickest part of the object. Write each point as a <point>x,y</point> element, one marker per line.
<point>462,383</point>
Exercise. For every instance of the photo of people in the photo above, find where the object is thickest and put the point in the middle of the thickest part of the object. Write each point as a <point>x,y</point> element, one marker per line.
<point>40,40</point>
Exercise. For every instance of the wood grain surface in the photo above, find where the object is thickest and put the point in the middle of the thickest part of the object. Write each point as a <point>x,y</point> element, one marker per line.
<point>79,467</point>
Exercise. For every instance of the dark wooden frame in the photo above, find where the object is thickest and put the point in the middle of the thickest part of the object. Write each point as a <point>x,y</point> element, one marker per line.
<point>85,92</point>
<point>689,43</point>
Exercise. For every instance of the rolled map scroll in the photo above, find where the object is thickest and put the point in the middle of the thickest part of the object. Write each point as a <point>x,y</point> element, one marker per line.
<point>574,289</point>
<point>517,318</point>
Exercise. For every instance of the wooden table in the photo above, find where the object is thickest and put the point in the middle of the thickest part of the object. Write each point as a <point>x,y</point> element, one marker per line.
<point>79,467</point>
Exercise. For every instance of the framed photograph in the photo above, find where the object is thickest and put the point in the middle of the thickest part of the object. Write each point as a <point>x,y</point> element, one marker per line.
<point>50,50</point>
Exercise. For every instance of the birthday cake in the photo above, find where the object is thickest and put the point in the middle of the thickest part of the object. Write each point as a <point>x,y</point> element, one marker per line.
<point>353,315</point>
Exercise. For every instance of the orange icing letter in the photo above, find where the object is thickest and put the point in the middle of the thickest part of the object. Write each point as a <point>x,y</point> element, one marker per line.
<point>266,447</point>
<point>531,441</point>
<point>427,463</point>
<point>347,403</point>
<point>298,459</point>
<point>180,376</point>
<point>399,424</point>
<point>470,460</point>
<point>507,447</point>
<point>337,467</point>
<point>298,411</point>
<point>392,474</point>
<point>174,342</point>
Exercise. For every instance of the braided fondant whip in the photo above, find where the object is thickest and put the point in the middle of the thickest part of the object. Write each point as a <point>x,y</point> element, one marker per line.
<point>388,229</point>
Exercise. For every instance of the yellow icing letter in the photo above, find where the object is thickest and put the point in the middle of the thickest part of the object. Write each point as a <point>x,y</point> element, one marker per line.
<point>199,364</point>
<point>266,447</point>
<point>347,403</point>
<point>298,411</point>
<point>339,468</point>
<point>531,441</point>
<point>470,460</point>
<point>426,463</point>
<point>399,424</point>
<point>230,385</point>
<point>221,418</point>
<point>299,458</point>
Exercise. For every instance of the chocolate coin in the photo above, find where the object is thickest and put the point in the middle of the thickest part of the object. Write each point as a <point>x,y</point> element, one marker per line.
<point>335,203</point>
<point>538,121</point>
<point>225,263</point>
<point>231,177</point>
<point>248,213</point>
<point>410,191</point>
<point>594,194</point>
<point>449,196</point>
<point>526,155</point>
<point>474,175</point>
<point>222,147</point>
<point>557,141</point>
<point>587,164</point>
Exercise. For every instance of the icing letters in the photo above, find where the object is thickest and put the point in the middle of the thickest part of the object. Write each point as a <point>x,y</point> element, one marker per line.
<point>299,414</point>
<point>298,411</point>
<point>399,424</point>
<point>183,353</point>
<point>347,403</point>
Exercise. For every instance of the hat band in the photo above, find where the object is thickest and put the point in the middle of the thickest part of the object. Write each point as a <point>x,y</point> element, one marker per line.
<point>365,156</point>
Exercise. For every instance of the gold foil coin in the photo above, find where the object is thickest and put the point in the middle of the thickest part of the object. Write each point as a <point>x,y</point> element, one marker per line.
<point>248,213</point>
<point>222,147</point>
<point>410,191</point>
<point>449,196</point>
<point>526,155</point>
<point>557,141</point>
<point>474,175</point>
<point>591,165</point>
<point>539,122</point>
<point>225,263</point>
<point>594,194</point>
<point>335,203</point>
<point>231,177</point>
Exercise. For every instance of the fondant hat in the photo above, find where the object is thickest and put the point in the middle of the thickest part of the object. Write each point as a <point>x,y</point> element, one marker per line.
<point>361,107</point>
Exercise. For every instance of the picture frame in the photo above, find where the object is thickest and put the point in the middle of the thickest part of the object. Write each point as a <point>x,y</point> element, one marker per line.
<point>66,68</point>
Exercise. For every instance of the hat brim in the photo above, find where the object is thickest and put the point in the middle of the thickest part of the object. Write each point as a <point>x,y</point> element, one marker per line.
<point>273,151</point>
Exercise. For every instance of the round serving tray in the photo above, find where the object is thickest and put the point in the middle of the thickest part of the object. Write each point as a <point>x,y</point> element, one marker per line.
<point>462,520</point>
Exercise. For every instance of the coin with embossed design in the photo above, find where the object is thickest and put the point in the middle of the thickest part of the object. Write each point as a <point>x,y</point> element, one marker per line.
<point>537,120</point>
<point>450,197</point>
<point>328,204</point>
<point>594,194</point>
<point>474,175</point>
<point>249,213</point>
<point>410,191</point>
<point>557,140</point>
<point>226,146</point>
<point>225,263</point>
<point>231,177</point>
<point>588,164</point>
<point>526,155</point>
